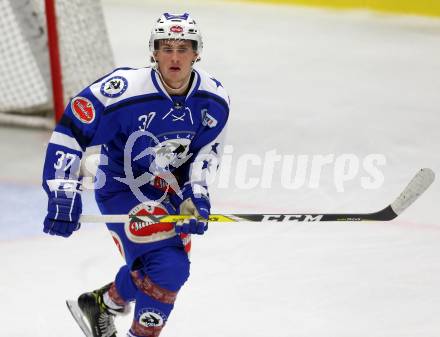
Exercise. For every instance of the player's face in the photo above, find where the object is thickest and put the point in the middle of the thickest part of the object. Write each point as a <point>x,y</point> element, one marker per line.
<point>175,59</point>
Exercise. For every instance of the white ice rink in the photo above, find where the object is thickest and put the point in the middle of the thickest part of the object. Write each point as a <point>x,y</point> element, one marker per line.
<point>302,82</point>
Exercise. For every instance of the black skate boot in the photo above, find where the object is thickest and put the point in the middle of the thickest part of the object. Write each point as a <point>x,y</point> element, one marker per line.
<point>90,307</point>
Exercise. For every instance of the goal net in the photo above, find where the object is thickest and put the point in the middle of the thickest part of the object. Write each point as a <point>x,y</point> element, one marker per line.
<point>82,50</point>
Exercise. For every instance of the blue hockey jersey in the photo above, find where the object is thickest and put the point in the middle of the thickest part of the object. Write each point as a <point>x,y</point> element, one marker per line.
<point>152,142</point>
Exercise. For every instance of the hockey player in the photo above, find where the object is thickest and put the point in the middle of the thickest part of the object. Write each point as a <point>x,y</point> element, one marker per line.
<point>161,131</point>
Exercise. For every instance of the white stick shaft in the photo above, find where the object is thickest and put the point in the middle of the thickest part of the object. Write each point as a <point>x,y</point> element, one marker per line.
<point>113,218</point>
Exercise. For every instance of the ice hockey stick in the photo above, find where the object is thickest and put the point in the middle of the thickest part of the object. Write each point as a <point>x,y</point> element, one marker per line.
<point>419,184</point>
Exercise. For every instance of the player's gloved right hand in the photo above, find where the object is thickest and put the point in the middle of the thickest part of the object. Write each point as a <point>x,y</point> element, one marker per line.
<point>199,208</point>
<point>64,209</point>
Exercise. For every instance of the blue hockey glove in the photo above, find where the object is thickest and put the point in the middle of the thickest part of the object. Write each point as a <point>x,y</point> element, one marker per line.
<point>199,208</point>
<point>64,208</point>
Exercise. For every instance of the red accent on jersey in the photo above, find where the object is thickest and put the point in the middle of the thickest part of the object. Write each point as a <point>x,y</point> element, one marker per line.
<point>83,109</point>
<point>118,243</point>
<point>144,229</point>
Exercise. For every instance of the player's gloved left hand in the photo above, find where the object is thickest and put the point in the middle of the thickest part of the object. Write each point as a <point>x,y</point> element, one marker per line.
<point>198,224</point>
<point>64,209</point>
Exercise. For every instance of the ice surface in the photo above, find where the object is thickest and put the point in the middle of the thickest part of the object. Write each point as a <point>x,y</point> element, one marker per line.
<point>303,82</point>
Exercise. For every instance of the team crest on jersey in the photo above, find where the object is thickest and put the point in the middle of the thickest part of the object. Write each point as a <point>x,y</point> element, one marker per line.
<point>140,231</point>
<point>83,109</point>
<point>168,152</point>
<point>208,120</point>
<point>171,152</point>
<point>114,87</point>
<point>151,317</point>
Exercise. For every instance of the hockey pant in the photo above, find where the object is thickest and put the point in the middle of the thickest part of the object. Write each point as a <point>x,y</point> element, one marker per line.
<point>154,287</point>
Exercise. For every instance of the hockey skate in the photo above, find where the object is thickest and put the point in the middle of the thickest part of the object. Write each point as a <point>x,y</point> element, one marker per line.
<point>93,316</point>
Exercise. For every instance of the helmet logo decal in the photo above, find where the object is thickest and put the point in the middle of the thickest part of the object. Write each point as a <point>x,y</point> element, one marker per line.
<point>176,29</point>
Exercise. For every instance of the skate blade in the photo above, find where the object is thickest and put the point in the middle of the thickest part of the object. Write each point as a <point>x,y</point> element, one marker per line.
<point>79,317</point>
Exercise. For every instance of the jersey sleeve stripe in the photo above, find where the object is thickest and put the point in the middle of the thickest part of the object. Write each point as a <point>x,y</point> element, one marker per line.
<point>82,139</point>
<point>208,95</point>
<point>59,138</point>
<point>132,100</point>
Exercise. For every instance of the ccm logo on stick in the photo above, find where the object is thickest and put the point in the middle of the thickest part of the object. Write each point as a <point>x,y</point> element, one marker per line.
<point>286,218</point>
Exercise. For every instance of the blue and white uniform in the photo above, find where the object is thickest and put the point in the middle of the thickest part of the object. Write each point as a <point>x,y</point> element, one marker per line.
<point>156,147</point>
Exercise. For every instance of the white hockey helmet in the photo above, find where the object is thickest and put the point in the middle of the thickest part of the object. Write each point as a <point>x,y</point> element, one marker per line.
<point>176,26</point>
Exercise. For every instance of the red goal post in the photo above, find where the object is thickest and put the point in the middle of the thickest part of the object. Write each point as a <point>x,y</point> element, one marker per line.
<point>49,51</point>
<point>54,58</point>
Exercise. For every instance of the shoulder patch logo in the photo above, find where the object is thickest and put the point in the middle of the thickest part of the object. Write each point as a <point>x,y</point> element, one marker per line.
<point>208,120</point>
<point>114,86</point>
<point>83,109</point>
